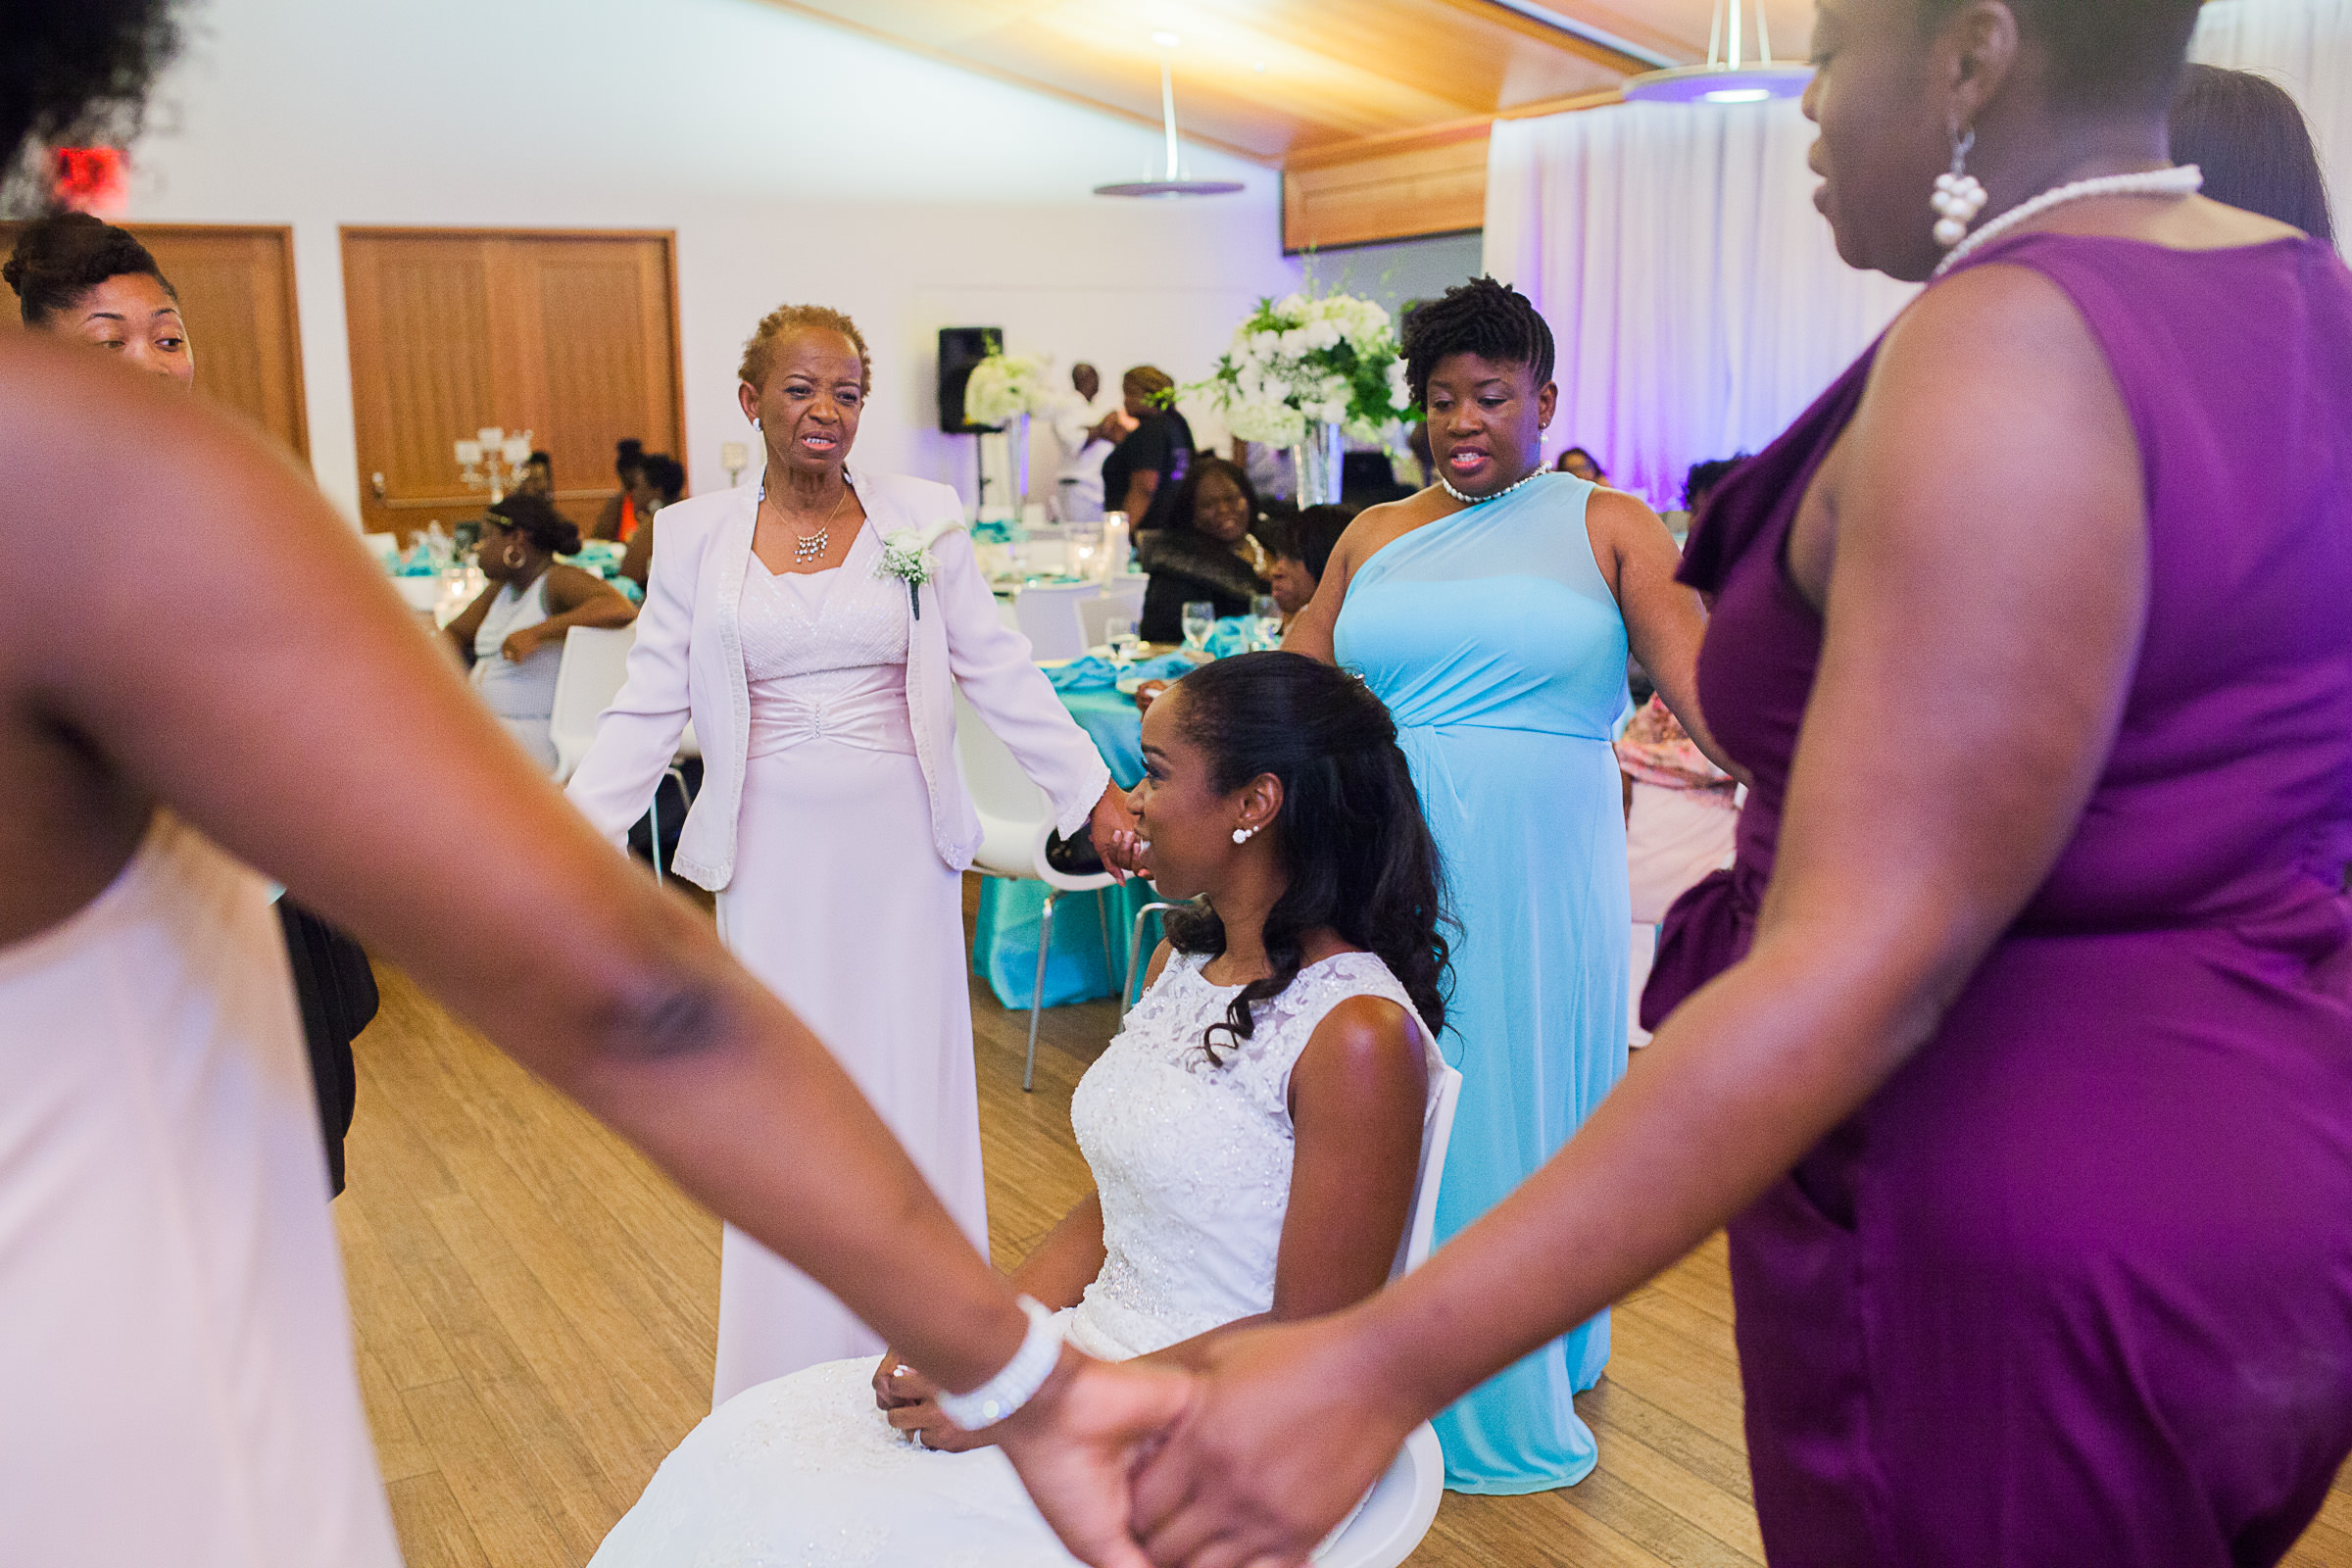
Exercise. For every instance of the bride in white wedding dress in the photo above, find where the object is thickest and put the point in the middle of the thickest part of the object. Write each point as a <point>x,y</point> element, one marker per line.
<point>1254,1133</point>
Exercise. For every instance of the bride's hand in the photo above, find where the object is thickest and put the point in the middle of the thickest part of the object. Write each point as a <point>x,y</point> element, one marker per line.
<point>896,1384</point>
<point>1076,1443</point>
<point>1112,828</point>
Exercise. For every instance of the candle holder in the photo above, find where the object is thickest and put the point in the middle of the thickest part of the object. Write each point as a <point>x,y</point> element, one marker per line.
<point>492,460</point>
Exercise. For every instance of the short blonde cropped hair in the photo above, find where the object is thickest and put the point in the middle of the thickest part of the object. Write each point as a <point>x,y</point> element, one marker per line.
<point>759,351</point>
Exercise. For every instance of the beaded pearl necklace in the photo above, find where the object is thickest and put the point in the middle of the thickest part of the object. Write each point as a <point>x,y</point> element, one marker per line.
<point>2186,180</point>
<point>1480,501</point>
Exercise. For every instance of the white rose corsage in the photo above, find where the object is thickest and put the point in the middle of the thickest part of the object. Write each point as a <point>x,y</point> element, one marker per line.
<point>907,555</point>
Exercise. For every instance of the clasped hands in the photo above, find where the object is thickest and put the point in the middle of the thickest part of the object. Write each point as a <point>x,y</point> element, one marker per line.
<point>1247,1463</point>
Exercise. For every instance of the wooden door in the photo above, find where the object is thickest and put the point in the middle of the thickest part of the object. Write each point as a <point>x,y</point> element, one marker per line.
<point>236,292</point>
<point>571,336</point>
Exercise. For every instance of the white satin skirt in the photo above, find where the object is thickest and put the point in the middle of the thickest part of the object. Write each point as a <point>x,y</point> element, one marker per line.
<point>841,905</point>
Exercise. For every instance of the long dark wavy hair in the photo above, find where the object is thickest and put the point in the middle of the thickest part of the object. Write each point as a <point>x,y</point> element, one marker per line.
<point>1360,857</point>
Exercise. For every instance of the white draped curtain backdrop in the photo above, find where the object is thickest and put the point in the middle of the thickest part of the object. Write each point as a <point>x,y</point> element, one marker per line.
<point>1698,303</point>
<point>2306,47</point>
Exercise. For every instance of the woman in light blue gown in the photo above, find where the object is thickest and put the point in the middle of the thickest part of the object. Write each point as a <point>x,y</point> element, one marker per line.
<point>1492,614</point>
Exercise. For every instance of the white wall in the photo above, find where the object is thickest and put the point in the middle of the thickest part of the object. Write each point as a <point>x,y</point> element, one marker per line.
<point>794,161</point>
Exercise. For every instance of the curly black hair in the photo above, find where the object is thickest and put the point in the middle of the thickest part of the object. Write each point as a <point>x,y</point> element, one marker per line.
<point>1492,321</point>
<point>1360,856</point>
<point>74,70</point>
<point>60,258</point>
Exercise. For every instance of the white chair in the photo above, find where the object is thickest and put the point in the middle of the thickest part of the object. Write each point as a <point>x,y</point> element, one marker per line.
<point>1048,616</point>
<point>1135,942</point>
<point>1014,825</point>
<point>1398,1511</point>
<point>596,662</point>
<point>1095,613</point>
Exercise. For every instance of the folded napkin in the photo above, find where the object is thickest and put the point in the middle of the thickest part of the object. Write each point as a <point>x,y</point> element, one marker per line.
<point>1232,636</point>
<point>419,563</point>
<point>1093,673</point>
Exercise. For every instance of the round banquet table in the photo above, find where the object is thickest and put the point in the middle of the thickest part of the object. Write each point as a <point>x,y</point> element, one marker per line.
<point>1005,932</point>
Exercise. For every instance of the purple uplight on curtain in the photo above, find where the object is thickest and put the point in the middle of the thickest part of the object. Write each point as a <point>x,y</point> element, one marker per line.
<point>1698,301</point>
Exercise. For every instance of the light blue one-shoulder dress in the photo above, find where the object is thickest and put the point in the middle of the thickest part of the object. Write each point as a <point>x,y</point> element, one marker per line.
<point>1496,643</point>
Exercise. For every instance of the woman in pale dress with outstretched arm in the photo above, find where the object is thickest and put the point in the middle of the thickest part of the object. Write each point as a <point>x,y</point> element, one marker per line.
<point>833,823</point>
<point>209,666</point>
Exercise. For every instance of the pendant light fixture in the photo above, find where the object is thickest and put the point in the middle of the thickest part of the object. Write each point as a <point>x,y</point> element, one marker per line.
<point>1174,183</point>
<point>1730,76</point>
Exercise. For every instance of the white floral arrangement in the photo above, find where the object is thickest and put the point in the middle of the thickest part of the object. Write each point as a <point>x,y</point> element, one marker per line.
<point>1305,359</point>
<point>1006,385</point>
<point>907,555</point>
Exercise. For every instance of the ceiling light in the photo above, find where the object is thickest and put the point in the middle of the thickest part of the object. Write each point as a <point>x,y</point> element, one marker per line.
<point>1731,75</point>
<point>1174,183</point>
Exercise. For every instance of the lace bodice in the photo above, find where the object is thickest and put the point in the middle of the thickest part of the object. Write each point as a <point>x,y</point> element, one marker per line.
<point>824,655</point>
<point>859,619</point>
<point>1193,1163</point>
<point>1193,1160</point>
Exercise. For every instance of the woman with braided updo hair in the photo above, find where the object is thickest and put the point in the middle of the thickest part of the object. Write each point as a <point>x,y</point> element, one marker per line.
<point>832,821</point>
<point>1492,611</point>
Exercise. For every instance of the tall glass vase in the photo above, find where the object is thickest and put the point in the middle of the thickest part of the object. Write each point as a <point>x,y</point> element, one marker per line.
<point>1317,462</point>
<point>1016,444</point>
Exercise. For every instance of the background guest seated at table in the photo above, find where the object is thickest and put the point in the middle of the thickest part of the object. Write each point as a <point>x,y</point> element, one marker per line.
<point>659,482</point>
<point>617,519</point>
<point>1582,463</point>
<point>513,635</point>
<point>1205,551</point>
<point>1140,475</point>
<point>538,476</point>
<point>1302,550</point>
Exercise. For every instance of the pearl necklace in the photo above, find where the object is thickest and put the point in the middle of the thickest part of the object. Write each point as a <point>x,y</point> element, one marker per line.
<point>1480,501</point>
<point>2186,180</point>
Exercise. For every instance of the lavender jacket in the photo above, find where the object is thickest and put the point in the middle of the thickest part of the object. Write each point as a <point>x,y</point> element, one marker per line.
<point>688,664</point>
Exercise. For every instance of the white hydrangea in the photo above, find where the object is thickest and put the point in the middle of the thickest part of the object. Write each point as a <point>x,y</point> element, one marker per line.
<point>1006,385</point>
<point>1295,362</point>
<point>1401,390</point>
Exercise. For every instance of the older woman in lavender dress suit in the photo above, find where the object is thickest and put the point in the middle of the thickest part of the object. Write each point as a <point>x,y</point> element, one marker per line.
<point>832,822</point>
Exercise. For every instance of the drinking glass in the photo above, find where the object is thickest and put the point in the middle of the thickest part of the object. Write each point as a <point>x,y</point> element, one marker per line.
<point>1119,633</point>
<point>1200,620</point>
<point>1268,617</point>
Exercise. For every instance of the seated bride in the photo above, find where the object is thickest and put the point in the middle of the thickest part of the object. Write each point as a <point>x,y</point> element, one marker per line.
<point>1254,1133</point>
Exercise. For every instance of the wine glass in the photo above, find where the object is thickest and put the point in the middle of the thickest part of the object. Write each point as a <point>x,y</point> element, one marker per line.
<point>1119,633</point>
<point>1268,617</point>
<point>1200,620</point>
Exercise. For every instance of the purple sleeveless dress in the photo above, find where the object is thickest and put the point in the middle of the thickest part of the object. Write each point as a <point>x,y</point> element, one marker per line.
<point>2075,1286</point>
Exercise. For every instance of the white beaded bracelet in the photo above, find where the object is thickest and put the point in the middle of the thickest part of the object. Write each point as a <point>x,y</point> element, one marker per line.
<point>1018,1381</point>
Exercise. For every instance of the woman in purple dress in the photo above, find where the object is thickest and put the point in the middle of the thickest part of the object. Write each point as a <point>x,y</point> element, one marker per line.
<point>2018,1046</point>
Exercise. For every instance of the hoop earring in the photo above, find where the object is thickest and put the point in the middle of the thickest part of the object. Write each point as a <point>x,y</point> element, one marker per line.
<point>513,557</point>
<point>1242,835</point>
<point>1959,197</point>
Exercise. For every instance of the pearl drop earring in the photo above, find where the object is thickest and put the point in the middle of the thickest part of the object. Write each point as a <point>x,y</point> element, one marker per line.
<point>1959,197</point>
<point>1242,835</point>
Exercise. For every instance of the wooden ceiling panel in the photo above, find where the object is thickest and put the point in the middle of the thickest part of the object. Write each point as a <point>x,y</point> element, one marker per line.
<point>1270,79</point>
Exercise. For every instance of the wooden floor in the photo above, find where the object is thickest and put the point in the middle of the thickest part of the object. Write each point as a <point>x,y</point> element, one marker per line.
<point>536,1313</point>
